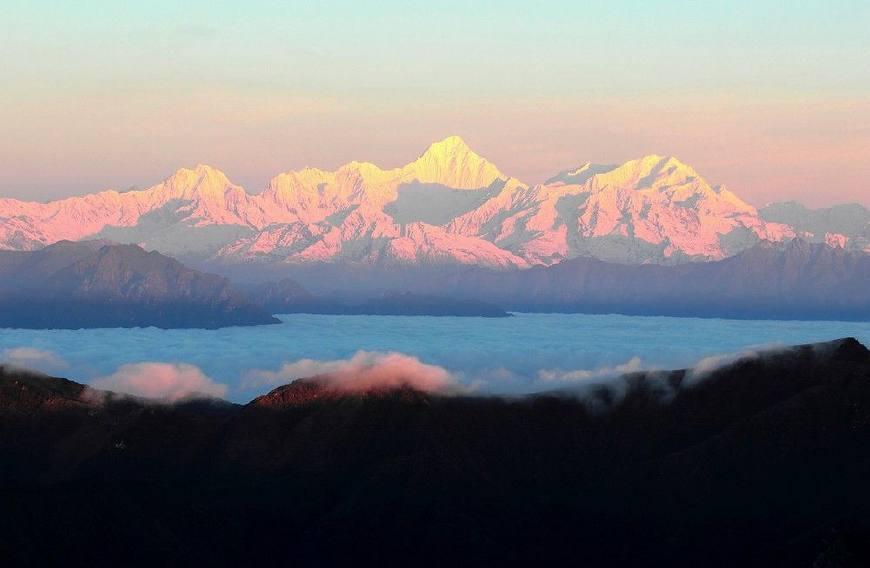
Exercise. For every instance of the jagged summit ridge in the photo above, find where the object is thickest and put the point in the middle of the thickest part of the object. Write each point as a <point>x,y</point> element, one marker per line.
<point>450,205</point>
<point>203,182</point>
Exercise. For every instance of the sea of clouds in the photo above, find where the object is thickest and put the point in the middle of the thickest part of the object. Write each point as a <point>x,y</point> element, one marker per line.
<point>526,353</point>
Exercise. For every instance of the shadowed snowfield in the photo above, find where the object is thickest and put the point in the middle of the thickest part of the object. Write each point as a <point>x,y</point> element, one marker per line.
<point>526,353</point>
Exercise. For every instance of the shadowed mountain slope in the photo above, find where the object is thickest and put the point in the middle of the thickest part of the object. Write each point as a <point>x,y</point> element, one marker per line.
<point>795,280</point>
<point>95,284</point>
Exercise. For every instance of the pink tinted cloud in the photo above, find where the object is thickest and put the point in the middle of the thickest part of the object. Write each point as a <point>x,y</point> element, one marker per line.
<point>165,381</point>
<point>365,371</point>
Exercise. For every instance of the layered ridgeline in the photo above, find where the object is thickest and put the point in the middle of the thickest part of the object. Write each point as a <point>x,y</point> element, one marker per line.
<point>450,206</point>
<point>792,280</point>
<point>846,225</point>
<point>763,461</point>
<point>795,279</point>
<point>98,284</point>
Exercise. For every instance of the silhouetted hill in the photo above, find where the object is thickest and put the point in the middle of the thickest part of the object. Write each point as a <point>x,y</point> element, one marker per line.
<point>763,461</point>
<point>95,284</point>
<point>797,280</point>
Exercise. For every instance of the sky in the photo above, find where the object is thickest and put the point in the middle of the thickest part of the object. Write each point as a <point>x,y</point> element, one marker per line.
<point>770,98</point>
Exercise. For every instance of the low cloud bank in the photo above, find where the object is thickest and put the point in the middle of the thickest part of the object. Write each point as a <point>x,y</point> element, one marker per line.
<point>709,365</point>
<point>372,370</point>
<point>165,381</point>
<point>578,375</point>
<point>366,370</point>
<point>33,359</point>
<point>605,386</point>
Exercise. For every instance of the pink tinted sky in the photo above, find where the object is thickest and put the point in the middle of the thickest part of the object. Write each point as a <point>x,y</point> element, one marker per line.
<point>771,99</point>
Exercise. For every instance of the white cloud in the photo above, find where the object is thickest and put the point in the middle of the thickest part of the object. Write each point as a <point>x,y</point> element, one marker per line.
<point>580,375</point>
<point>708,365</point>
<point>166,381</point>
<point>33,359</point>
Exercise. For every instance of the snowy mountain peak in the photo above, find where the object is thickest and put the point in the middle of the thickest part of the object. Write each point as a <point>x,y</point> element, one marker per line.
<point>198,172</point>
<point>452,163</point>
<point>654,166</point>
<point>451,145</point>
<point>368,172</point>
<point>200,182</point>
<point>645,172</point>
<point>649,174</point>
<point>651,209</point>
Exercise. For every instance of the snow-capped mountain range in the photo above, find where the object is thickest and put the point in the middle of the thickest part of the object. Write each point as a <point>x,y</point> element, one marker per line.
<point>450,206</point>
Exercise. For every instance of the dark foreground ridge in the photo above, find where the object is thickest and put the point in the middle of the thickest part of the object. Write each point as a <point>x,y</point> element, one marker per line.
<point>763,462</point>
